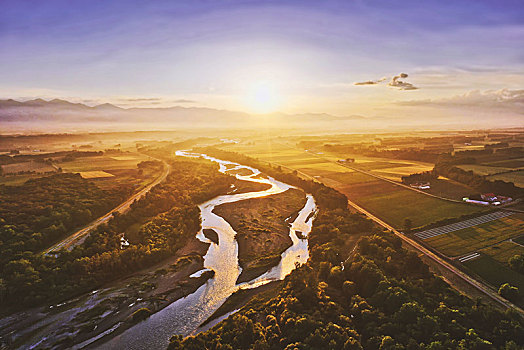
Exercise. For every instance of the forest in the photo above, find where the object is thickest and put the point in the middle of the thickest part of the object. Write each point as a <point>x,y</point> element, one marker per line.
<point>377,296</point>
<point>43,210</point>
<point>165,217</point>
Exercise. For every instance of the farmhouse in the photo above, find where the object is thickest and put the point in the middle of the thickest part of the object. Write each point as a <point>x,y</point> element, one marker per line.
<point>495,199</point>
<point>124,243</point>
<point>487,199</point>
<point>490,197</point>
<point>476,201</point>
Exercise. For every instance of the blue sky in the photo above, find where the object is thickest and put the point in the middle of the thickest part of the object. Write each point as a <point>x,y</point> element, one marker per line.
<point>216,53</point>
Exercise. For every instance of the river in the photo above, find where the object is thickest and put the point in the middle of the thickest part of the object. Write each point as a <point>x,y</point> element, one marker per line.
<point>185,315</point>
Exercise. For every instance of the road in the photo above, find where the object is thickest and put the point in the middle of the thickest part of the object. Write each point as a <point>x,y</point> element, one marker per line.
<point>79,236</point>
<point>482,287</point>
<point>502,207</point>
<point>466,278</point>
<point>383,178</point>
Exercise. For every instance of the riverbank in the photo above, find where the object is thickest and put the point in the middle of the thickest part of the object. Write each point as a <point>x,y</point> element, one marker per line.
<point>242,297</point>
<point>167,284</point>
<point>185,315</point>
<point>78,320</point>
<point>262,226</point>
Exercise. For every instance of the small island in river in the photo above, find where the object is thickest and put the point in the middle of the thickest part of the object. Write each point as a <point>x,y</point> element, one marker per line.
<point>262,226</point>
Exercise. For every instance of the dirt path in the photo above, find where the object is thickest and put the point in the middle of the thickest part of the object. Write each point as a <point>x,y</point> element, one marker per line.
<point>79,236</point>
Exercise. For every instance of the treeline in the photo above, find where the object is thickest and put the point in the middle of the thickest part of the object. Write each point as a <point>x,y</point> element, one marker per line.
<point>490,153</point>
<point>478,182</point>
<point>425,176</point>
<point>381,296</point>
<point>415,154</point>
<point>516,262</point>
<point>166,217</point>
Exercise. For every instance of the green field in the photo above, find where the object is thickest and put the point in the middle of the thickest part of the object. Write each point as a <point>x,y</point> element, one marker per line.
<point>483,169</point>
<point>477,237</point>
<point>495,273</point>
<point>510,163</point>
<point>450,189</point>
<point>394,204</point>
<point>519,240</point>
<point>503,251</point>
<point>517,177</point>
<point>15,180</point>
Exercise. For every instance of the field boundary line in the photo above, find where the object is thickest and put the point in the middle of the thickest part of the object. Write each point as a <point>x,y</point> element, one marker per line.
<point>479,285</point>
<point>461,225</point>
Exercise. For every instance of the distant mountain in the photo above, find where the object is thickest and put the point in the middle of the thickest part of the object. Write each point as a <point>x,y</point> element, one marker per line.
<point>44,113</point>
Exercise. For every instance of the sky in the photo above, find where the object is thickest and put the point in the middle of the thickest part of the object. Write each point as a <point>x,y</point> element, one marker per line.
<point>290,56</point>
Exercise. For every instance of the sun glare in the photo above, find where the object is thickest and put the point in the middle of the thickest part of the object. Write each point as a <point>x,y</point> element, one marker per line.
<point>263,98</point>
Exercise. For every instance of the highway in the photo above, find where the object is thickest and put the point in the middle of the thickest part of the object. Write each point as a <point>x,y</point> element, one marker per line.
<point>79,236</point>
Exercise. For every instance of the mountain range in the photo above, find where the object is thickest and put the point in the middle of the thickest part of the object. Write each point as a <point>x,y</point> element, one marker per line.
<point>59,111</point>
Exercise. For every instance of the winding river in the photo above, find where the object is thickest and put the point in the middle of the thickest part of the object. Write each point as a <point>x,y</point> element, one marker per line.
<point>185,315</point>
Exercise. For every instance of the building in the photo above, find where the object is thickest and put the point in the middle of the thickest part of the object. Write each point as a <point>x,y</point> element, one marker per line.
<point>421,185</point>
<point>488,198</point>
<point>476,201</point>
<point>124,243</point>
<point>495,199</point>
<point>347,160</point>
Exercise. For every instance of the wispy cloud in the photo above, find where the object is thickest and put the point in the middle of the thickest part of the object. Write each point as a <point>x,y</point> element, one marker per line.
<point>370,82</point>
<point>395,82</point>
<point>141,99</point>
<point>507,99</point>
<point>155,100</point>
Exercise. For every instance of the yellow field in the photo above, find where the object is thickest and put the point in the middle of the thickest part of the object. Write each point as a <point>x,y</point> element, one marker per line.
<point>388,201</point>
<point>95,174</point>
<point>102,163</point>
<point>286,154</point>
<point>125,158</point>
<point>16,180</point>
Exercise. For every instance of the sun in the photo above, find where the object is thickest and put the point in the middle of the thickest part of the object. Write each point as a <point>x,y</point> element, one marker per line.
<point>263,97</point>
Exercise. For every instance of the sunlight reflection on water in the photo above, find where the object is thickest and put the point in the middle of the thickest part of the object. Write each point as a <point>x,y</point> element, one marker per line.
<point>185,315</point>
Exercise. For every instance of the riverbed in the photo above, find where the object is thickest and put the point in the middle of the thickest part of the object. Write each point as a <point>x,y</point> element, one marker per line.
<point>185,315</point>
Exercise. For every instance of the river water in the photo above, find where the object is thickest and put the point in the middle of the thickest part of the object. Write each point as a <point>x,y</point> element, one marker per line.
<point>185,315</point>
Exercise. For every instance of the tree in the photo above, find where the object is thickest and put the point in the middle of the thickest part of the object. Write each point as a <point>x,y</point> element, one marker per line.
<point>509,292</point>
<point>516,262</point>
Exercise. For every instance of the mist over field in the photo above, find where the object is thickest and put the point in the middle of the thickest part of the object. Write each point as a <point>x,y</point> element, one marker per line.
<point>41,116</point>
<point>262,175</point>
